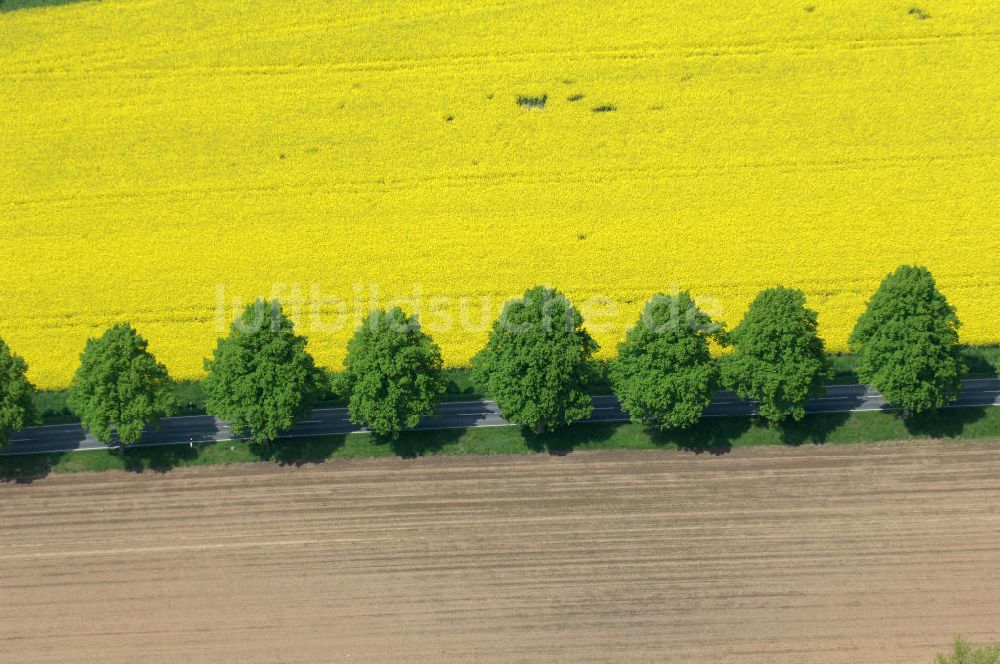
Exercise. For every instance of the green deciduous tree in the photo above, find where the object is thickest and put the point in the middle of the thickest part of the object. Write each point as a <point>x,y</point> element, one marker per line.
<point>393,373</point>
<point>119,386</point>
<point>778,359</point>
<point>663,373</point>
<point>17,404</point>
<point>261,377</point>
<point>907,340</point>
<point>536,361</point>
<point>966,654</point>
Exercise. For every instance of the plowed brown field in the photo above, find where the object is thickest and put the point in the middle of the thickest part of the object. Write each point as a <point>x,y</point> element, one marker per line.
<point>816,555</point>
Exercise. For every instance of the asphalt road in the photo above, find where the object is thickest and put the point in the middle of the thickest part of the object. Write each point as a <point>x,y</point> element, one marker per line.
<point>458,415</point>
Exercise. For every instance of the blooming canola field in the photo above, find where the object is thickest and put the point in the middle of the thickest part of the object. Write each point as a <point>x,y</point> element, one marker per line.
<point>162,162</point>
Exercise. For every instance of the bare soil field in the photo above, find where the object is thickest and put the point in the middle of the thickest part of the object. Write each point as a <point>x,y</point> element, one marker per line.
<point>861,553</point>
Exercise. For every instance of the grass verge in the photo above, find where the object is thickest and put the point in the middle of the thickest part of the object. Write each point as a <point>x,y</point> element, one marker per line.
<point>711,435</point>
<point>983,362</point>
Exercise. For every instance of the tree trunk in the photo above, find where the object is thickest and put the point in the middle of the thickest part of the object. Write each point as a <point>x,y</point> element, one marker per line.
<point>539,428</point>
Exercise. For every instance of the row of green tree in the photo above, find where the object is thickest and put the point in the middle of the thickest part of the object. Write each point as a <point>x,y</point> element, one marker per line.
<point>536,364</point>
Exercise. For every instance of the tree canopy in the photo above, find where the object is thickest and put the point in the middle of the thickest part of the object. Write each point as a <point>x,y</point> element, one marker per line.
<point>119,386</point>
<point>907,340</point>
<point>963,653</point>
<point>17,404</point>
<point>664,374</point>
<point>536,361</point>
<point>261,378</point>
<point>393,373</point>
<point>778,360</point>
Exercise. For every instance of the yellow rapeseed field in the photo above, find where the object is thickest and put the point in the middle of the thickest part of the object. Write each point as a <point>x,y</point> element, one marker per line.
<point>161,159</point>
